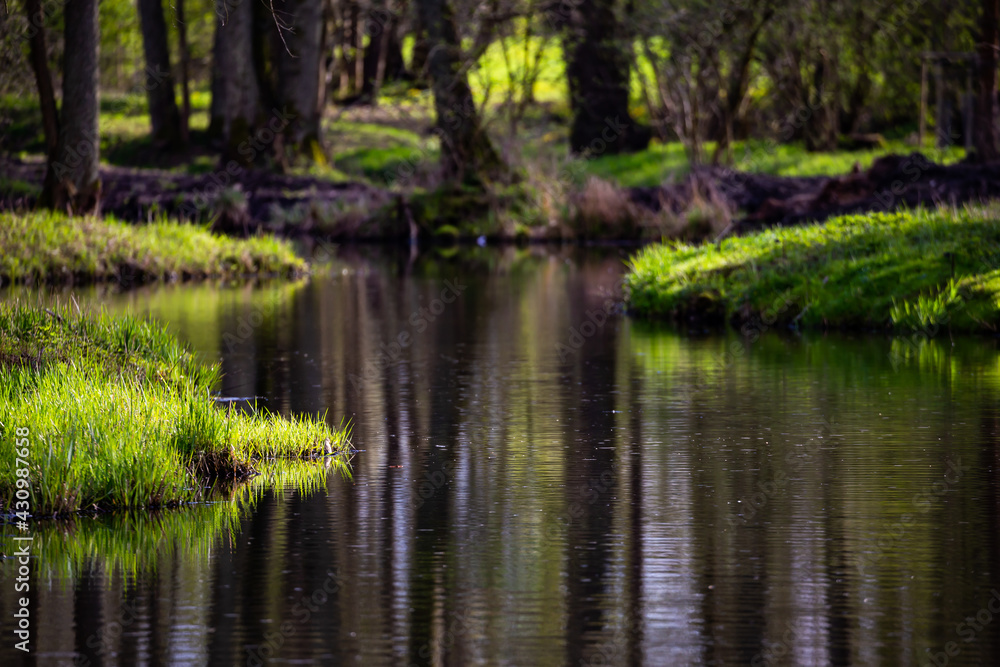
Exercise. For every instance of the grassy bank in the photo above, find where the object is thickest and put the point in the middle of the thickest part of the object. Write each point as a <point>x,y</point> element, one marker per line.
<point>119,416</point>
<point>44,246</point>
<point>917,270</point>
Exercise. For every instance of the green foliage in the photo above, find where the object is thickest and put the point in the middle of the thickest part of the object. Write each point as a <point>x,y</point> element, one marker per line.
<point>509,58</point>
<point>911,270</point>
<point>45,246</point>
<point>927,311</point>
<point>120,416</point>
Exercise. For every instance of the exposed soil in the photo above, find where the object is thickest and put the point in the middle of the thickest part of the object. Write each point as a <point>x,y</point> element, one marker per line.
<point>251,200</point>
<point>892,182</point>
<point>238,203</point>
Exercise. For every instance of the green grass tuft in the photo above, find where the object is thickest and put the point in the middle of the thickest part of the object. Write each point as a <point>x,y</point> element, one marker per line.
<point>43,246</point>
<point>909,270</point>
<point>120,416</point>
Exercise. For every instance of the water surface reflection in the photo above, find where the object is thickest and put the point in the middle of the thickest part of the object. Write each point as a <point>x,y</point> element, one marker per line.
<point>542,481</point>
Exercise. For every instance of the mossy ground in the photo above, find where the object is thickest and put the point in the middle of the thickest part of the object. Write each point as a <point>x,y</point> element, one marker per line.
<point>911,270</point>
<point>119,415</point>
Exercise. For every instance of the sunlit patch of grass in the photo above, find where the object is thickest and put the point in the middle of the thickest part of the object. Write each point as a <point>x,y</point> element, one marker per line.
<point>120,416</point>
<point>909,270</point>
<point>661,162</point>
<point>652,166</point>
<point>43,246</point>
<point>380,153</point>
<point>793,160</point>
<point>385,166</point>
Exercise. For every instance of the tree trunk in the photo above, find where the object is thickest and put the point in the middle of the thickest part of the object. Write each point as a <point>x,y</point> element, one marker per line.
<point>418,59</point>
<point>597,69</point>
<point>384,55</point>
<point>163,113</point>
<point>738,83</point>
<point>39,51</point>
<point>298,62</point>
<point>216,110</point>
<point>348,66</point>
<point>820,130</point>
<point>984,130</point>
<point>235,91</point>
<point>185,58</point>
<point>73,182</point>
<point>467,155</point>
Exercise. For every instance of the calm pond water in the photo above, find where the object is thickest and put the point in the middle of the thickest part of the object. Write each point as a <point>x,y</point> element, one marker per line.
<point>542,481</point>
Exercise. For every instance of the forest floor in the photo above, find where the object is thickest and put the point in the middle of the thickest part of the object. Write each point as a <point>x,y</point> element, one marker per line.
<point>703,203</point>
<point>380,181</point>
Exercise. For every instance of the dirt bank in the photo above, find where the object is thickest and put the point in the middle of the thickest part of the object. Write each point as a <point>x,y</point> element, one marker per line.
<point>252,200</point>
<point>237,203</point>
<point>892,182</point>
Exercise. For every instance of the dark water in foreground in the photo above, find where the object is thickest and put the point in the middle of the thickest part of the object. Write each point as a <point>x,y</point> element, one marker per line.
<point>536,490</point>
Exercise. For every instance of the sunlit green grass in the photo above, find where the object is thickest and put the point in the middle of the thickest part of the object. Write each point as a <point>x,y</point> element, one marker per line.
<point>652,166</point>
<point>910,270</point>
<point>660,162</point>
<point>120,416</point>
<point>42,246</point>
<point>381,154</point>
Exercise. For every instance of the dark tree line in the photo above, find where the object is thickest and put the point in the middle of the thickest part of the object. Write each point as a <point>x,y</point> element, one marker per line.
<point>826,69</point>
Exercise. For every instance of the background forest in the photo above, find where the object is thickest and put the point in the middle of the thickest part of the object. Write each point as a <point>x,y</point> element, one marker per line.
<point>549,106</point>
